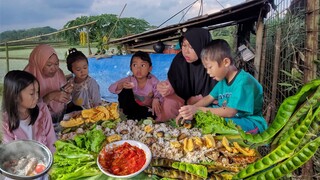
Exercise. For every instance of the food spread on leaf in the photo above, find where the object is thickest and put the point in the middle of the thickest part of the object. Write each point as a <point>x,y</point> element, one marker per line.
<point>209,147</point>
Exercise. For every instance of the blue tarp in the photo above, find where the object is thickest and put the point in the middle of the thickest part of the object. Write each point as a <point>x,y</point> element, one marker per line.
<point>108,70</point>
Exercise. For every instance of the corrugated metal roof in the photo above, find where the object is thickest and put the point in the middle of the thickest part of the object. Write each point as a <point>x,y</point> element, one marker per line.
<point>248,11</point>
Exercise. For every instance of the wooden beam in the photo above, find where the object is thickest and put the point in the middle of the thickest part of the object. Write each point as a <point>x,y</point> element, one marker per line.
<point>263,57</point>
<point>152,42</point>
<point>312,27</point>
<point>275,72</point>
<point>258,49</point>
<point>141,49</point>
<point>7,56</point>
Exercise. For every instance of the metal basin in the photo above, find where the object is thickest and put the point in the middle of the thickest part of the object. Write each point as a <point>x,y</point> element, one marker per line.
<point>15,150</point>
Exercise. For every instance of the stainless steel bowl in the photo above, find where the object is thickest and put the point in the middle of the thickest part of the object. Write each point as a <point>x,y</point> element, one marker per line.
<point>20,148</point>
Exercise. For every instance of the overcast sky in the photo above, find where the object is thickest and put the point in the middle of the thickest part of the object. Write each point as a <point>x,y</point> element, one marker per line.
<point>25,14</point>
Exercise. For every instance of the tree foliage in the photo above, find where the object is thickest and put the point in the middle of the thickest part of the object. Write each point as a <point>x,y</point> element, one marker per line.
<point>20,34</point>
<point>107,26</point>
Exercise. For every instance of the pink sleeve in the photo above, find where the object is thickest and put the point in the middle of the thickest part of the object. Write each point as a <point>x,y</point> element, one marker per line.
<point>155,81</point>
<point>7,136</point>
<point>113,87</point>
<point>48,127</point>
<point>95,92</point>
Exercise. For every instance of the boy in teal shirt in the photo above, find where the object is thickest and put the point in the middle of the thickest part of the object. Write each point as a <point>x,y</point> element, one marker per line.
<point>237,96</point>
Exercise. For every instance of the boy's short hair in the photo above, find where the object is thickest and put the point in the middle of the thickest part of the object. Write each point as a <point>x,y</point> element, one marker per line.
<point>143,56</point>
<point>217,50</point>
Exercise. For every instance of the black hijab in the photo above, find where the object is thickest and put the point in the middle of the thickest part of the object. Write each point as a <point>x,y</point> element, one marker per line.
<point>190,79</point>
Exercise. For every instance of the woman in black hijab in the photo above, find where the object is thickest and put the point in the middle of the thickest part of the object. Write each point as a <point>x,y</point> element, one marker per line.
<point>188,80</point>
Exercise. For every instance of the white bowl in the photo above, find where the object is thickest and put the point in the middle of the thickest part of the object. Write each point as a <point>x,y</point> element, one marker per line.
<point>138,144</point>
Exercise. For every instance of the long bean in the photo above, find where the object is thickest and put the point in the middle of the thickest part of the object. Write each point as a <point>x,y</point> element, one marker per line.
<point>291,164</point>
<point>282,152</point>
<point>302,111</point>
<point>285,111</point>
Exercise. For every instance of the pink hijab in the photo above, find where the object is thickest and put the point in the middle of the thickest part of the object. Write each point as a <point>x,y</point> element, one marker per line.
<point>37,60</point>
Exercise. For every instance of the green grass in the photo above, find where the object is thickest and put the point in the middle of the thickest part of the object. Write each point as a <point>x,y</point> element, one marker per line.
<point>19,64</point>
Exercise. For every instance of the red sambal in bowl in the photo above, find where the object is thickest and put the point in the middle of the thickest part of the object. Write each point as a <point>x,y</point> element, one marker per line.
<point>124,159</point>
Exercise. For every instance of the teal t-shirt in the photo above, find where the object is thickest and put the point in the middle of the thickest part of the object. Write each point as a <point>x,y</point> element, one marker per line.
<point>243,93</point>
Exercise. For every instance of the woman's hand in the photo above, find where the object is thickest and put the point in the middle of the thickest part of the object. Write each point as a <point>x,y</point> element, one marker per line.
<point>156,106</point>
<point>194,99</point>
<point>62,97</point>
<point>164,88</point>
<point>68,88</point>
<point>59,96</point>
<point>186,113</point>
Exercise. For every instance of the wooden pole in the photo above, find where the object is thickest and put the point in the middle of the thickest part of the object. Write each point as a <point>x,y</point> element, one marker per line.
<point>7,56</point>
<point>259,38</point>
<point>275,72</point>
<point>263,56</point>
<point>262,70</point>
<point>115,24</point>
<point>312,28</point>
<point>88,41</point>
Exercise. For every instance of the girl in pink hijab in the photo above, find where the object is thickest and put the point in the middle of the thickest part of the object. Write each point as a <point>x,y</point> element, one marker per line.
<point>54,89</point>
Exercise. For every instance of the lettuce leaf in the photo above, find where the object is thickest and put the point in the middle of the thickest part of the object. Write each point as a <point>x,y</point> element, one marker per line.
<point>210,123</point>
<point>91,140</point>
<point>95,139</point>
<point>69,150</point>
<point>77,159</point>
<point>75,171</point>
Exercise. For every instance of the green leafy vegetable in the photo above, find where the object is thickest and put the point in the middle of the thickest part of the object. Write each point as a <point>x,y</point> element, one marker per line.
<point>95,139</point>
<point>110,124</point>
<point>210,123</point>
<point>91,140</point>
<point>172,123</point>
<point>77,158</point>
<point>72,161</point>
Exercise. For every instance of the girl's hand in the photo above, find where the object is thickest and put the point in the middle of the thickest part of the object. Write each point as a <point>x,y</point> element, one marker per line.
<point>156,107</point>
<point>127,85</point>
<point>163,88</point>
<point>186,113</point>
